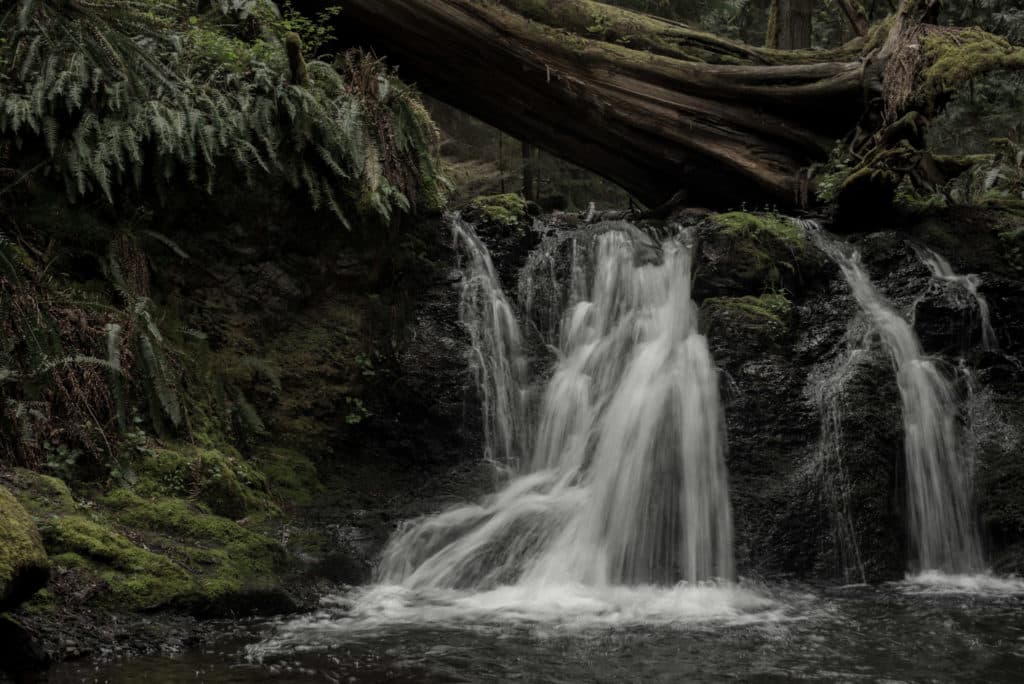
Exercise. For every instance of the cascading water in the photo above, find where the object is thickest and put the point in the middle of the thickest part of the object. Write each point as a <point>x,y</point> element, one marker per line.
<point>626,484</point>
<point>497,351</point>
<point>830,467</point>
<point>942,524</point>
<point>941,270</point>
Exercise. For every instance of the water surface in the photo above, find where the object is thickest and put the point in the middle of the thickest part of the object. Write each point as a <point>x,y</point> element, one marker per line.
<point>933,628</point>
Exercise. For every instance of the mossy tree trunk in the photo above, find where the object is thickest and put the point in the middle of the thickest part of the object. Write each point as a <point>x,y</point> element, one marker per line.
<point>650,104</point>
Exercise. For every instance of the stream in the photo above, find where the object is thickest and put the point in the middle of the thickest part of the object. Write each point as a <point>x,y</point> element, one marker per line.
<point>936,628</point>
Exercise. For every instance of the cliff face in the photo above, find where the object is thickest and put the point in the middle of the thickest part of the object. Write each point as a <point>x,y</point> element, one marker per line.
<point>814,418</point>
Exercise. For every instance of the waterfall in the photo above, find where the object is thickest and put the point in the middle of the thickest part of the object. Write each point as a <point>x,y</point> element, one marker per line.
<point>496,349</point>
<point>626,482</point>
<point>830,470</point>
<point>942,526</point>
<point>942,271</point>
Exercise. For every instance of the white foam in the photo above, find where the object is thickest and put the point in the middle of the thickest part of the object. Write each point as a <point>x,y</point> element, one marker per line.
<point>566,608</point>
<point>935,582</point>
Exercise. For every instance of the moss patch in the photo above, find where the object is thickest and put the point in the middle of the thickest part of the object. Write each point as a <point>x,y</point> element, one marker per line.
<point>41,495</point>
<point>138,579</point>
<point>768,317</point>
<point>23,563</point>
<point>291,477</point>
<point>225,558</point>
<point>508,210</point>
<point>167,553</point>
<point>219,478</point>
<point>744,254</point>
<point>954,58</point>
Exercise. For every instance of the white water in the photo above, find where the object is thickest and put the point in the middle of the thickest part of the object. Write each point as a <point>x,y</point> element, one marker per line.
<point>497,349</point>
<point>942,525</point>
<point>626,484</point>
<point>942,270</point>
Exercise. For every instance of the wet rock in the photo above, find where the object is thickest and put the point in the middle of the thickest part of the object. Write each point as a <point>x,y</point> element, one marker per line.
<point>504,223</point>
<point>748,254</point>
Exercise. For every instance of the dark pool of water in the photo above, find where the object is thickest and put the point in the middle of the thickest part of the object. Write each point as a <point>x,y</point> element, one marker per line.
<point>892,633</point>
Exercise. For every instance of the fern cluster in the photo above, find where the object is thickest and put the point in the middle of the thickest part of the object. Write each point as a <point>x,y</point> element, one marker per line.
<point>112,101</point>
<point>112,95</point>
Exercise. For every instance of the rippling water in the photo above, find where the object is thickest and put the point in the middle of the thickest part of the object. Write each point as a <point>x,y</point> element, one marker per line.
<point>928,628</point>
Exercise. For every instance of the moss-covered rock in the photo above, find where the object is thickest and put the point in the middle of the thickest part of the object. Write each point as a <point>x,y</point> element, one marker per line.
<point>42,496</point>
<point>741,253</point>
<point>228,560</point>
<point>24,567</point>
<point>758,321</point>
<point>169,553</point>
<point>508,210</point>
<point>135,578</point>
<point>219,478</point>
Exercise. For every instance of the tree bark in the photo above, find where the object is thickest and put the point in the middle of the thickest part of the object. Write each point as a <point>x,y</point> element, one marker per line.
<point>649,123</point>
<point>653,105</point>
<point>792,24</point>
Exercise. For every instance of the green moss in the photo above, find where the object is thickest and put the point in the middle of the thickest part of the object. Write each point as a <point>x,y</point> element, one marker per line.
<point>635,34</point>
<point>43,602</point>
<point>138,578</point>
<point>761,251</point>
<point>219,478</point>
<point>769,315</point>
<point>762,227</point>
<point>223,556</point>
<point>43,496</point>
<point>291,476</point>
<point>508,210</point>
<point>953,59</point>
<point>23,563</point>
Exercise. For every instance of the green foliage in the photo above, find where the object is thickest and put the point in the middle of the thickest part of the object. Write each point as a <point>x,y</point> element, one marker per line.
<point>316,32</point>
<point>831,177</point>
<point>998,179</point>
<point>120,95</point>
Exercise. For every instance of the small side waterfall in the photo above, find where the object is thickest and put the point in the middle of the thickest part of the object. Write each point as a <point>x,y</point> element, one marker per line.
<point>942,524</point>
<point>497,349</point>
<point>626,483</point>
<point>942,271</point>
<point>830,467</point>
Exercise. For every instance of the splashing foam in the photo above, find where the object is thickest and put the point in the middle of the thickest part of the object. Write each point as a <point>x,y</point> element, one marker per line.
<point>983,584</point>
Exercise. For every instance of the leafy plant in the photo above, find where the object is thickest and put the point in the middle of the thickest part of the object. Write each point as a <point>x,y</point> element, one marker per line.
<point>316,32</point>
<point>114,95</point>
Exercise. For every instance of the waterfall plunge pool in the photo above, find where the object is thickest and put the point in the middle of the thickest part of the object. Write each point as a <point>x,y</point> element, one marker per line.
<point>625,484</point>
<point>930,628</point>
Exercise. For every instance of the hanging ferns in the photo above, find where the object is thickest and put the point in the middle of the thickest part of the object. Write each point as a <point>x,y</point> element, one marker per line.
<point>107,95</point>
